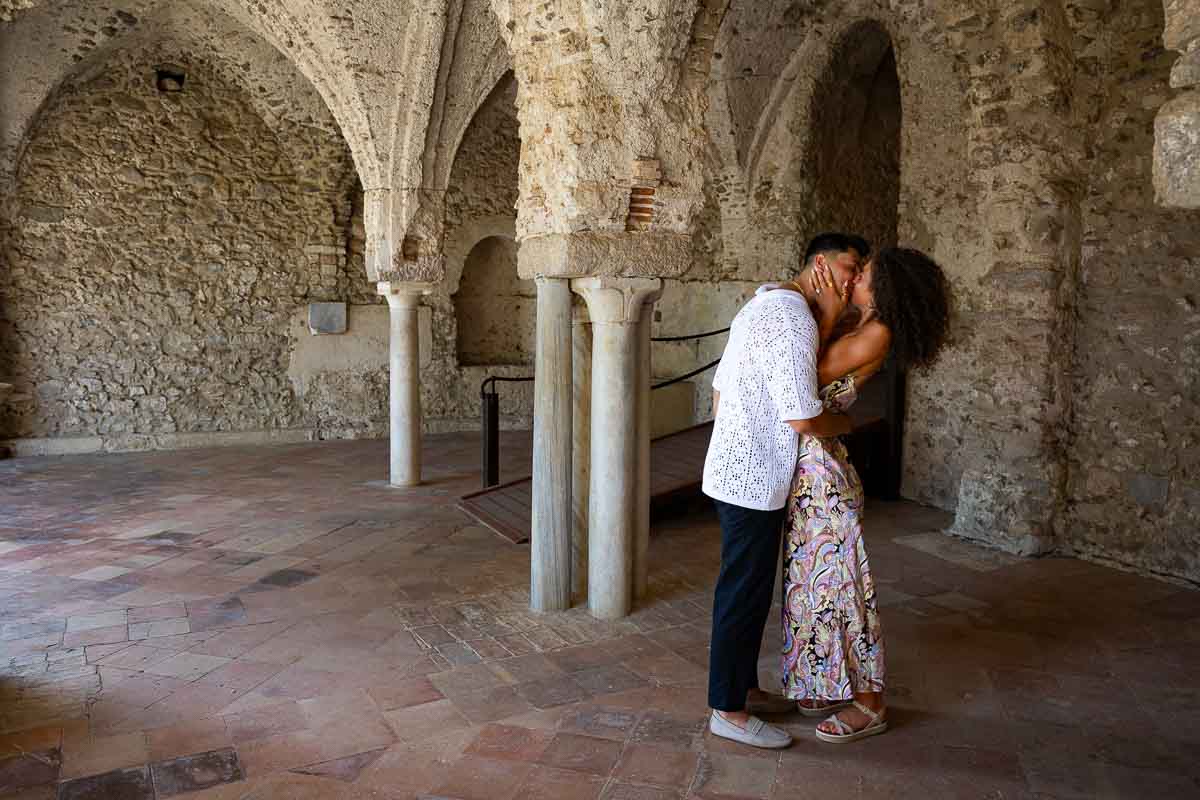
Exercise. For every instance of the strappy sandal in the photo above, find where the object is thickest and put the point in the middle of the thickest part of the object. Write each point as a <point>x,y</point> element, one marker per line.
<point>847,734</point>
<point>823,710</point>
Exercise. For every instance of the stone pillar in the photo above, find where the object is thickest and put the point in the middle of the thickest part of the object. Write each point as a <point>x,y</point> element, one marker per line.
<point>404,381</point>
<point>615,306</point>
<point>1177,126</point>
<point>581,441</point>
<point>550,542</point>
<point>641,565</point>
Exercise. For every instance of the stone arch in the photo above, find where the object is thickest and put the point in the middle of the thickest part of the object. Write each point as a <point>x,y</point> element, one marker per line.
<point>496,70</point>
<point>41,54</point>
<point>466,237</point>
<point>180,235</point>
<point>495,310</point>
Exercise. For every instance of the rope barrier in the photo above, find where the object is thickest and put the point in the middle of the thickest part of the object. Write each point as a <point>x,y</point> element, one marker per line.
<point>691,374</point>
<point>686,338</point>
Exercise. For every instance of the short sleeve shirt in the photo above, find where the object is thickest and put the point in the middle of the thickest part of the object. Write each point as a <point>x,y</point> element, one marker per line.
<point>767,376</point>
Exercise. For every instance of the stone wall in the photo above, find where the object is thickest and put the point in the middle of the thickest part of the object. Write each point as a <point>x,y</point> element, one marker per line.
<point>1134,486</point>
<point>160,247</point>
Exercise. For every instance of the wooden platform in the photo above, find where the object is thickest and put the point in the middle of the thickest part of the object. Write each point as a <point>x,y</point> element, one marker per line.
<point>676,466</point>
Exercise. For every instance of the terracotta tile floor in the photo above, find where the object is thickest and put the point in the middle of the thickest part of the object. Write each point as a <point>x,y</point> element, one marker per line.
<point>277,623</point>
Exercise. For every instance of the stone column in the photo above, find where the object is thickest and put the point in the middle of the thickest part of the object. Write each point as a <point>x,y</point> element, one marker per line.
<point>641,565</point>
<point>581,441</point>
<point>1177,126</point>
<point>550,542</point>
<point>404,381</point>
<point>615,306</point>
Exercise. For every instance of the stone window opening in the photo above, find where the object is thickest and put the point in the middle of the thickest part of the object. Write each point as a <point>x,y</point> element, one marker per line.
<point>495,310</point>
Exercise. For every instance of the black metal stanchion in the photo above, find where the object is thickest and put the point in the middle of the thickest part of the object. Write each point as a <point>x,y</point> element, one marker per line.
<point>490,429</point>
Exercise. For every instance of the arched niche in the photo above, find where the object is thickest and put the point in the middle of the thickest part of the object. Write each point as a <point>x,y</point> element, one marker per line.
<point>496,311</point>
<point>854,157</point>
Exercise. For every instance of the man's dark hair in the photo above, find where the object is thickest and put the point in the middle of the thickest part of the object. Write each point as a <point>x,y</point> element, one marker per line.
<point>835,243</point>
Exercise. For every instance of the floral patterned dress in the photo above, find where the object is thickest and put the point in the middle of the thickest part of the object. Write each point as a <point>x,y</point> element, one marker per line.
<point>832,638</point>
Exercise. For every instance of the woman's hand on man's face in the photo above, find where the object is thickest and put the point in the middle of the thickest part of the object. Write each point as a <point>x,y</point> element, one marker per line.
<point>831,298</point>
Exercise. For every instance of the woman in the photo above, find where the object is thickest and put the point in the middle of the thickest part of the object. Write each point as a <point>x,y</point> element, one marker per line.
<point>833,655</point>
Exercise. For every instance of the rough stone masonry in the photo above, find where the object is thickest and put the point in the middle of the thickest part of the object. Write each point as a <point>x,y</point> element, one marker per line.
<point>160,247</point>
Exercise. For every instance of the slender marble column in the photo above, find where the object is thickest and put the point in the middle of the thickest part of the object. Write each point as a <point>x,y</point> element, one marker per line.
<point>550,542</point>
<point>615,306</point>
<point>404,381</point>
<point>581,438</point>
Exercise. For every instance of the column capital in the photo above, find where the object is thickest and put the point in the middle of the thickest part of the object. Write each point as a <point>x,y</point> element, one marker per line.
<point>605,253</point>
<point>403,294</point>
<point>617,301</point>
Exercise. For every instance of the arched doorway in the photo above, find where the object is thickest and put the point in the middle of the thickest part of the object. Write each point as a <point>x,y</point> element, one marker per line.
<point>496,311</point>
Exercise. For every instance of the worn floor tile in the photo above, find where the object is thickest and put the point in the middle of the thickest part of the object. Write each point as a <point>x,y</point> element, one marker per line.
<point>158,628</point>
<point>741,776</point>
<point>91,756</point>
<point>475,778</point>
<point>32,740</point>
<point>426,720</point>
<point>618,790</point>
<point>510,742</point>
<point>551,692</point>
<point>29,769</point>
<point>548,783</point>
<point>87,622</point>
<point>192,736</point>
<point>195,772</point>
<point>344,769</point>
<point>268,720</point>
<point>581,753</point>
<point>405,693</point>
<point>124,784</point>
<point>186,666</point>
<point>658,766</point>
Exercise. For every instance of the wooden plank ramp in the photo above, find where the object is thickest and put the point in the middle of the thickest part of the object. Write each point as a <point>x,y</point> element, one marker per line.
<point>676,466</point>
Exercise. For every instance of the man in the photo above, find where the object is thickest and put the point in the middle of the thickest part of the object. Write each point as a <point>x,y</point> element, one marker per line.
<point>764,395</point>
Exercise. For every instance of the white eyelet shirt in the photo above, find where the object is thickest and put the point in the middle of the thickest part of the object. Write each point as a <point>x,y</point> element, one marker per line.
<point>767,375</point>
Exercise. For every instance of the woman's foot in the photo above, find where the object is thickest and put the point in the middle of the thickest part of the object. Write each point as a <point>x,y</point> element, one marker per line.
<point>854,723</point>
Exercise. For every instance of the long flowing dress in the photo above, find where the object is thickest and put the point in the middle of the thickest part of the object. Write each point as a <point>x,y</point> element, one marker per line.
<point>832,638</point>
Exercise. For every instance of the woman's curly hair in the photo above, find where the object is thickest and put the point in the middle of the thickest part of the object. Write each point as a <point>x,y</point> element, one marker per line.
<point>912,298</point>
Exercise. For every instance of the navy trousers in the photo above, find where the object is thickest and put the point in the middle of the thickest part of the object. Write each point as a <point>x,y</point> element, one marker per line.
<point>742,601</point>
